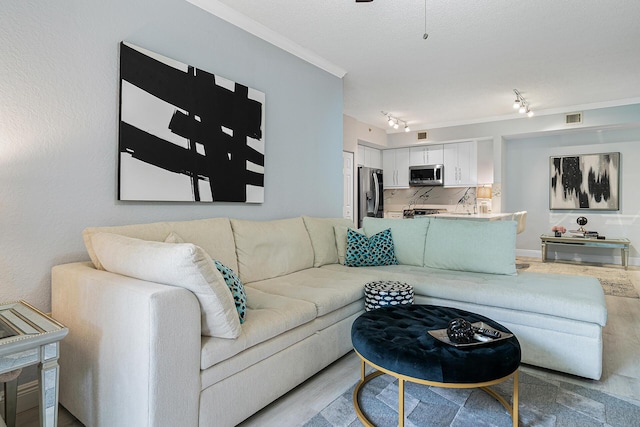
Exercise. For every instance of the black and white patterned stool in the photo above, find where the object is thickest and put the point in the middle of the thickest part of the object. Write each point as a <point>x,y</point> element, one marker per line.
<point>383,293</point>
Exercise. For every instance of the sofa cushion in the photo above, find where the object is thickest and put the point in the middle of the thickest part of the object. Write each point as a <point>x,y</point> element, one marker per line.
<point>268,317</point>
<point>365,251</point>
<point>566,296</point>
<point>408,236</point>
<point>328,290</point>
<point>267,249</point>
<point>184,265</point>
<point>214,235</point>
<point>467,245</point>
<point>323,239</point>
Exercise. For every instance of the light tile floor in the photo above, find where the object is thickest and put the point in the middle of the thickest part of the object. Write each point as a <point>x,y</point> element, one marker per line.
<point>621,372</point>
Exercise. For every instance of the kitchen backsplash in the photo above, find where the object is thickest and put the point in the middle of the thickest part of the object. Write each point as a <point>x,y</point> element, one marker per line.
<point>461,199</point>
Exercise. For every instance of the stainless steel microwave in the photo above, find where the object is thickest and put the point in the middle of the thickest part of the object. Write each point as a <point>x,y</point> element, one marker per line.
<point>426,175</point>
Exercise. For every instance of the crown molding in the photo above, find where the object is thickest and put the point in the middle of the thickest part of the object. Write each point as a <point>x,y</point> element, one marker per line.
<point>247,24</point>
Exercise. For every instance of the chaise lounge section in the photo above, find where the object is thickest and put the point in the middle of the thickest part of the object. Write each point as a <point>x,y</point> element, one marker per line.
<point>153,342</point>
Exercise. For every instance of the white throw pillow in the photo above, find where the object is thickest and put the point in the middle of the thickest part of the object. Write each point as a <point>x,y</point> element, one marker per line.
<point>176,264</point>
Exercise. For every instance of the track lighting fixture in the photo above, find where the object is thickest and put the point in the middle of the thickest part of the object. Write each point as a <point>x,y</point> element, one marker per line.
<point>394,122</point>
<point>521,104</point>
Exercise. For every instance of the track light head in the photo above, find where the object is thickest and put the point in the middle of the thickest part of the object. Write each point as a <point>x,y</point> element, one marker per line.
<point>521,104</point>
<point>394,122</point>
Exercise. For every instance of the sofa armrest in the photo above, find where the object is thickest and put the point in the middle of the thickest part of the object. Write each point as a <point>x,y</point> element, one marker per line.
<point>132,355</point>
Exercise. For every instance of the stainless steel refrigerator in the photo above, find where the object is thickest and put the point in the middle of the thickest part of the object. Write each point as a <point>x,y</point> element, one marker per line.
<point>370,194</point>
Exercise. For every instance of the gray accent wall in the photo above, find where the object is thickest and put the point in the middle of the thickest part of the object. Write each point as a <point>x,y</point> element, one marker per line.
<point>59,95</point>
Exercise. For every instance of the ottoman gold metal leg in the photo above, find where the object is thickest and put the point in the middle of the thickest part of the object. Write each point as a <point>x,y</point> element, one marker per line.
<point>514,414</point>
<point>512,408</point>
<point>400,402</point>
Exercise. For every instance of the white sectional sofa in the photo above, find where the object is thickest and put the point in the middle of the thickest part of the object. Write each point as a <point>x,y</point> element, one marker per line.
<point>154,339</point>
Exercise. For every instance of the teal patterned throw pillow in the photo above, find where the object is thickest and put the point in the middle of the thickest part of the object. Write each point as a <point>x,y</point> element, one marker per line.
<point>236,287</point>
<point>365,251</point>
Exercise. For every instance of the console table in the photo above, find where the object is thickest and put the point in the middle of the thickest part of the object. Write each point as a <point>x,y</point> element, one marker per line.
<point>29,337</point>
<point>621,243</point>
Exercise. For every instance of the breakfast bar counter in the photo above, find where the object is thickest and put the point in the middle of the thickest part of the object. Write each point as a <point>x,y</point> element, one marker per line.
<point>475,217</point>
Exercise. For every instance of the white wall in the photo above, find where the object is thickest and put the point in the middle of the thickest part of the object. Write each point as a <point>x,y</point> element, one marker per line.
<point>59,114</point>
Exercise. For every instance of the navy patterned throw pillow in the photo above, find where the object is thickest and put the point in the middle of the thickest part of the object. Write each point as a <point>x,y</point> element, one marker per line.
<point>365,251</point>
<point>236,287</point>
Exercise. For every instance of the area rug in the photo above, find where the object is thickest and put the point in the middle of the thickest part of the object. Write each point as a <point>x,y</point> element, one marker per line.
<point>542,404</point>
<point>614,281</point>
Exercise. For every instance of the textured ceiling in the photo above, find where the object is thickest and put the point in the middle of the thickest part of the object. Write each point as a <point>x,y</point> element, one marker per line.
<point>562,55</point>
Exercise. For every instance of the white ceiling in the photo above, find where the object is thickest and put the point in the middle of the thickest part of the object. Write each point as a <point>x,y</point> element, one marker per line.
<point>562,55</point>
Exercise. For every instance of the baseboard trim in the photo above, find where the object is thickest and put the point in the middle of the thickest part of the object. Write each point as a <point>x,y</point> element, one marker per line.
<point>27,397</point>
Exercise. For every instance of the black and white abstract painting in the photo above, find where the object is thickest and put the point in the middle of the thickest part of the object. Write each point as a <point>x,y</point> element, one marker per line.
<point>586,181</point>
<point>186,134</point>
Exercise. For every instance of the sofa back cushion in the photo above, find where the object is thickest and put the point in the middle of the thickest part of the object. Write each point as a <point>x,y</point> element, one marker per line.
<point>468,245</point>
<point>408,236</point>
<point>323,238</point>
<point>183,265</point>
<point>267,249</point>
<point>214,235</point>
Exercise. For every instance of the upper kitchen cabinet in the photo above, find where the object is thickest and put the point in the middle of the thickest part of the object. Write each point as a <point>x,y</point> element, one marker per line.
<point>395,166</point>
<point>461,164</point>
<point>369,157</point>
<point>426,155</point>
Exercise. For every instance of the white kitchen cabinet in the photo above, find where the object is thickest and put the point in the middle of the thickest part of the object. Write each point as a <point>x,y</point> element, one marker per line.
<point>395,166</point>
<point>369,157</point>
<point>426,155</point>
<point>461,164</point>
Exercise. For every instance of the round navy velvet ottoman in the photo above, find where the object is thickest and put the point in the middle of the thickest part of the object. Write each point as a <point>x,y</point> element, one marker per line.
<point>395,340</point>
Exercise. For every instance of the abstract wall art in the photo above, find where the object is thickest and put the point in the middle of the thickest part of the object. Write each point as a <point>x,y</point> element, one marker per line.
<point>186,134</point>
<point>585,181</point>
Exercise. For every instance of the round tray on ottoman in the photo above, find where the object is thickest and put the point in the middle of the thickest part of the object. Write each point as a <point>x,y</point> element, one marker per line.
<point>395,340</point>
<point>384,293</point>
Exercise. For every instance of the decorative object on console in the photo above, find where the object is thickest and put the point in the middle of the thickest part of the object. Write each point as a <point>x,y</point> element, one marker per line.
<point>582,221</point>
<point>186,134</point>
<point>558,230</point>
<point>586,181</point>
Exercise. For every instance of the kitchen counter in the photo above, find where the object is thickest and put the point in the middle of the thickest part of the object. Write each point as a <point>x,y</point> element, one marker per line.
<point>475,217</point>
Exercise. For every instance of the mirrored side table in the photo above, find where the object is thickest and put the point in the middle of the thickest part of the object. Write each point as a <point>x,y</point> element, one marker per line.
<point>29,337</point>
